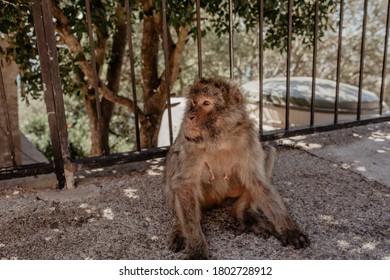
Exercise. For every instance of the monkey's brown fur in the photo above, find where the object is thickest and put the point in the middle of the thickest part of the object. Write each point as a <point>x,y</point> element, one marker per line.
<point>218,155</point>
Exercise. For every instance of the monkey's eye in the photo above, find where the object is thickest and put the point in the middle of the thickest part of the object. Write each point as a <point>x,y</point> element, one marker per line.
<point>206,103</point>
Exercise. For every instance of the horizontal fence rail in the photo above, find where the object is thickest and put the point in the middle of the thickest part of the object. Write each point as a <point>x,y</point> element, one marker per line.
<point>64,166</point>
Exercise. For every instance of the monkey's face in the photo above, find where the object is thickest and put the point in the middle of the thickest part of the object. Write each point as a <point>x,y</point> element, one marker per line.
<point>213,108</point>
<point>200,119</point>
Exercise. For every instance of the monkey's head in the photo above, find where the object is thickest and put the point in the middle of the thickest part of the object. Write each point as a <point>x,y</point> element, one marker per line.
<point>214,108</point>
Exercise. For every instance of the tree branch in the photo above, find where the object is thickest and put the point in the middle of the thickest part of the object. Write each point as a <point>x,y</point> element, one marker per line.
<point>106,92</point>
<point>176,51</point>
<point>64,30</point>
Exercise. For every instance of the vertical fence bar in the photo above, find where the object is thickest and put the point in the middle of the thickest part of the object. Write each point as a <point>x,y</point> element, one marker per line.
<point>128,8</point>
<point>56,81</point>
<point>167,74</point>
<point>314,70</point>
<point>261,65</point>
<point>362,54</point>
<point>231,53</point>
<point>43,24</point>
<point>288,78</point>
<point>199,39</point>
<point>94,72</point>
<point>57,94</point>
<point>384,61</point>
<point>338,67</point>
<point>7,120</point>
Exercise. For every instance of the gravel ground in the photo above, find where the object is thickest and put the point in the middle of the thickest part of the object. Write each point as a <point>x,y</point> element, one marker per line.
<point>124,216</point>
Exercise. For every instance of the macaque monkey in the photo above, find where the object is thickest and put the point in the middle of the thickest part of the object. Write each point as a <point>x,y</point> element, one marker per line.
<point>217,155</point>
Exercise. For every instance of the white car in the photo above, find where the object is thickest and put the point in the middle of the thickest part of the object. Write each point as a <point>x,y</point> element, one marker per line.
<point>274,92</point>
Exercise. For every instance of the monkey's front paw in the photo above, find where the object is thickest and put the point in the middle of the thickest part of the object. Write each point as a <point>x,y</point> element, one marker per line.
<point>294,237</point>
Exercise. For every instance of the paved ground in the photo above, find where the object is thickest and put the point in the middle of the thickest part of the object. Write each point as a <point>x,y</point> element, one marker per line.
<point>336,185</point>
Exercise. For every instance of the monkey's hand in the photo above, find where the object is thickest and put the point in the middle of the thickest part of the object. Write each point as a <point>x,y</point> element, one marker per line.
<point>295,237</point>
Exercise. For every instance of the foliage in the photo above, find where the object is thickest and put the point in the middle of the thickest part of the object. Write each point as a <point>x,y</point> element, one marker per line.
<point>17,24</point>
<point>36,128</point>
<point>77,123</point>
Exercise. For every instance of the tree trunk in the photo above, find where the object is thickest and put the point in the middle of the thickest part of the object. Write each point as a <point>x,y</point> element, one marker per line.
<point>154,87</point>
<point>9,72</point>
<point>113,75</point>
<point>150,80</point>
<point>109,93</point>
<point>97,148</point>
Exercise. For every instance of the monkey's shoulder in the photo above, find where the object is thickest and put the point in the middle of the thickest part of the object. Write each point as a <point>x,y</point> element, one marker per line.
<point>242,136</point>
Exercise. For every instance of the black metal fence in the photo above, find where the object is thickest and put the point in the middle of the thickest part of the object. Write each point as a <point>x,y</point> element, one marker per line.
<point>64,165</point>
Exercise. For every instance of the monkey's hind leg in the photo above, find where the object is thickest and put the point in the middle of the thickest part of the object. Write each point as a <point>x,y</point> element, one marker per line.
<point>266,198</point>
<point>290,234</point>
<point>251,220</point>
